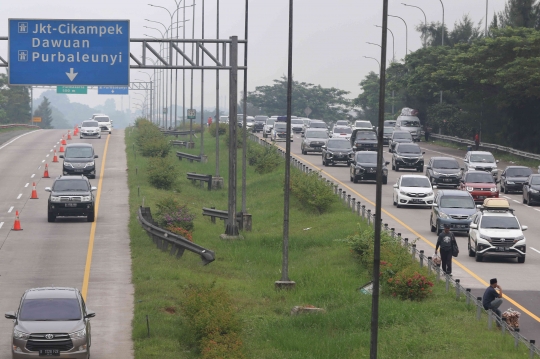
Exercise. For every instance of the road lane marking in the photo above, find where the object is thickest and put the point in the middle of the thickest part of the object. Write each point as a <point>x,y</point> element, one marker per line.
<point>536,250</point>
<point>1,224</point>
<point>42,161</point>
<point>516,201</point>
<point>26,185</point>
<point>32,176</point>
<point>47,156</point>
<point>19,196</point>
<point>50,151</point>
<point>507,197</point>
<point>16,138</point>
<point>86,278</point>
<point>418,235</point>
<point>10,209</point>
<point>536,209</point>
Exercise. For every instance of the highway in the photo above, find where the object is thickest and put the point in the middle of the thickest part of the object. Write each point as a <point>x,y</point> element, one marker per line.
<point>520,282</point>
<point>94,257</point>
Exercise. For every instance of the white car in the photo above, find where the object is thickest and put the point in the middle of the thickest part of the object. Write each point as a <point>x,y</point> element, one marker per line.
<point>105,123</point>
<point>268,126</point>
<point>90,129</point>
<point>363,125</point>
<point>413,190</point>
<point>496,232</point>
<point>279,132</point>
<point>342,123</point>
<point>481,161</point>
<point>341,132</point>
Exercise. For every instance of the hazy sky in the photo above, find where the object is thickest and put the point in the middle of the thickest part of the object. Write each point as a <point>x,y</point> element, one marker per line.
<point>329,36</point>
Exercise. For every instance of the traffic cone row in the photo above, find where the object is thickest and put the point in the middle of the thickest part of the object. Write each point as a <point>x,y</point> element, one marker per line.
<point>69,135</point>
<point>46,173</point>
<point>34,191</point>
<point>63,142</point>
<point>55,157</point>
<point>75,131</point>
<point>61,149</point>
<point>17,223</point>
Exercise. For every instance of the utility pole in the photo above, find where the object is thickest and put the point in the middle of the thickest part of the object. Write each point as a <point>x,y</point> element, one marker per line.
<point>244,119</point>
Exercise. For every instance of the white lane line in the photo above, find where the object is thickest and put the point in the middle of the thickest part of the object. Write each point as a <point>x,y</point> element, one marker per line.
<point>32,176</point>
<point>55,145</point>
<point>507,197</point>
<point>39,167</point>
<point>10,209</point>
<point>26,185</point>
<point>50,151</point>
<point>47,156</point>
<point>42,161</point>
<point>536,250</point>
<point>19,196</point>
<point>16,138</point>
<point>516,201</point>
<point>1,224</point>
<point>442,153</point>
<point>536,209</point>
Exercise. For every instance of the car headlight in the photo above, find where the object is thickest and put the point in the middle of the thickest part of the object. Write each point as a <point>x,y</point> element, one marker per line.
<point>510,182</point>
<point>533,190</point>
<point>469,189</point>
<point>403,192</point>
<point>472,167</point>
<point>89,164</point>
<point>494,189</point>
<point>487,238</point>
<point>329,154</point>
<point>67,164</point>
<point>437,173</point>
<point>397,157</point>
<point>430,194</point>
<point>20,335</point>
<point>87,198</point>
<point>443,215</point>
<point>55,199</point>
<point>80,334</point>
<point>520,238</point>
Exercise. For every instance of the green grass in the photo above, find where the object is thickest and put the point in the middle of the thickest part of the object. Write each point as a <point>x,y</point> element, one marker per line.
<point>326,273</point>
<point>11,129</point>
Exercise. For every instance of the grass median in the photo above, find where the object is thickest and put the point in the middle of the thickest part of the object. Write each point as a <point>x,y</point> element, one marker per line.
<point>326,272</point>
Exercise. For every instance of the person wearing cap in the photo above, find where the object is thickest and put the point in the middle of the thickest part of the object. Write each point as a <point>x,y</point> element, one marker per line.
<point>446,241</point>
<point>493,299</point>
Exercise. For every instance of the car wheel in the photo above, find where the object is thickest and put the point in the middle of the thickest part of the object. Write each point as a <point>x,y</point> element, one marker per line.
<point>304,152</point>
<point>385,180</point>
<point>393,166</point>
<point>524,200</point>
<point>521,259</point>
<point>431,226</point>
<point>420,169</point>
<point>110,132</point>
<point>397,168</point>
<point>355,180</point>
<point>324,162</point>
<point>471,252</point>
<point>51,217</point>
<point>90,217</point>
<point>394,201</point>
<point>478,257</point>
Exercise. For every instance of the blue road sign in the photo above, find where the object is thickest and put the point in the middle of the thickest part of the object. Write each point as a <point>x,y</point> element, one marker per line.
<point>68,52</point>
<point>113,90</point>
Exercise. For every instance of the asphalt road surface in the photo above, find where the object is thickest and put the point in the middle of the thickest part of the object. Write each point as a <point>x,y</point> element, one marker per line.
<point>94,257</point>
<point>520,282</point>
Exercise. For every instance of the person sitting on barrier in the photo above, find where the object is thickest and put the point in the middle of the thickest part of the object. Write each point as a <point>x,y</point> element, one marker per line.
<point>446,241</point>
<point>493,299</point>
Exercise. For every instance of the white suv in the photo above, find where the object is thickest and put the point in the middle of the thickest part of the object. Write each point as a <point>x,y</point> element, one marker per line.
<point>481,161</point>
<point>105,123</point>
<point>495,231</point>
<point>268,126</point>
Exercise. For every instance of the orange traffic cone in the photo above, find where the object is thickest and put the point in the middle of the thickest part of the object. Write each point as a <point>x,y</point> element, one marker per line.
<point>55,158</point>
<point>61,149</point>
<point>75,131</point>
<point>46,173</point>
<point>63,141</point>
<point>34,191</point>
<point>69,135</point>
<point>17,223</point>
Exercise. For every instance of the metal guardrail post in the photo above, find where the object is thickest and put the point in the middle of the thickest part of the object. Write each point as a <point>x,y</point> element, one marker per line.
<point>340,191</point>
<point>516,337</point>
<point>353,206</point>
<point>358,207</point>
<point>335,189</point>
<point>421,257</point>
<point>531,348</point>
<point>363,211</point>
<point>468,296</point>
<point>438,270</point>
<point>369,217</point>
<point>393,232</point>
<point>458,289</point>
<point>478,308</point>
<point>344,198</point>
<point>413,251</point>
<point>490,318</point>
<point>348,201</point>
<point>385,227</point>
<point>447,277</point>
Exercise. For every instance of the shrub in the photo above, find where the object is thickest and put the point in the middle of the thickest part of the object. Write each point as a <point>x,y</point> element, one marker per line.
<point>181,232</point>
<point>264,159</point>
<point>170,213</point>
<point>161,172</point>
<point>155,147</point>
<point>409,284</point>
<point>222,129</point>
<point>239,138</point>
<point>311,191</point>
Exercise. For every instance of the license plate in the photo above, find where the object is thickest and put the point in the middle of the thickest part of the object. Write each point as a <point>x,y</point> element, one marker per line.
<point>71,204</point>
<point>502,249</point>
<point>447,180</point>
<point>49,352</point>
<point>481,197</point>
<point>78,171</point>
<point>416,201</point>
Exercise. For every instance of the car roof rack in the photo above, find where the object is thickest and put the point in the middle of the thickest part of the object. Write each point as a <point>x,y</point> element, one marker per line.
<point>499,205</point>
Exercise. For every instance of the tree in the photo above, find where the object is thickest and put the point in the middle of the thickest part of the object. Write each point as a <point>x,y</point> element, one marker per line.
<point>464,32</point>
<point>328,104</point>
<point>44,111</point>
<point>14,102</point>
<point>520,13</point>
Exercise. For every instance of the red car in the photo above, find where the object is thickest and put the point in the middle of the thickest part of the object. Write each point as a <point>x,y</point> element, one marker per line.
<point>480,185</point>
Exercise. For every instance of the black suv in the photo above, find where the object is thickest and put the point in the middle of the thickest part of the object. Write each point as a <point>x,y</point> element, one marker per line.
<point>259,123</point>
<point>71,196</point>
<point>513,178</point>
<point>364,140</point>
<point>364,167</point>
<point>408,155</point>
<point>399,137</point>
<point>79,159</point>
<point>444,171</point>
<point>337,150</point>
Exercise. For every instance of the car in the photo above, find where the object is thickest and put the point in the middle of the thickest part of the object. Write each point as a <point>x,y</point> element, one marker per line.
<point>279,132</point>
<point>531,189</point>
<point>408,121</point>
<point>258,124</point>
<point>105,123</point>
<point>337,150</point>
<point>90,129</point>
<point>305,125</point>
<point>71,196</point>
<point>318,124</point>
<point>444,171</point>
<point>481,161</point>
<point>362,125</point>
<point>297,125</point>
<point>399,137</point>
<point>313,140</point>
<point>51,322</point>
<point>454,208</point>
<point>364,167</point>
<point>480,185</point>
<point>79,158</point>
<point>363,140</point>
<point>413,190</point>
<point>387,135</point>
<point>341,132</point>
<point>250,121</point>
<point>513,178</point>
<point>496,232</point>
<point>224,119</point>
<point>408,155</point>
<point>341,123</point>
<point>389,123</point>
<point>268,126</point>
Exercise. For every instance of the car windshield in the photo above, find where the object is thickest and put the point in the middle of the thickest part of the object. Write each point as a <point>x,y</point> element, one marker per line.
<point>363,124</point>
<point>297,122</point>
<point>410,123</point>
<point>402,135</point>
<point>342,130</point>
<point>261,118</point>
<point>535,180</point>
<point>317,134</point>
<point>446,164</point>
<point>482,177</point>
<point>518,172</point>
<point>280,126</point>
<point>363,157</point>
<point>317,125</point>
<point>101,119</point>
<point>415,182</point>
<point>342,123</point>
<point>488,157</point>
<point>50,309</point>
<point>70,185</point>
<point>497,222</point>
<point>270,121</point>
<point>79,152</point>
<point>90,124</point>
<point>414,149</point>
<point>457,202</point>
<point>390,123</point>
<point>339,144</point>
<point>365,135</point>
<point>388,130</point>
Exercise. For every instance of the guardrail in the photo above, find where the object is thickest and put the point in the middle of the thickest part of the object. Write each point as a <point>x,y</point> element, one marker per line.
<point>179,143</point>
<point>188,156</point>
<point>18,125</point>
<point>177,133</point>
<point>163,238</point>
<point>201,178</point>
<point>369,216</point>
<point>490,146</point>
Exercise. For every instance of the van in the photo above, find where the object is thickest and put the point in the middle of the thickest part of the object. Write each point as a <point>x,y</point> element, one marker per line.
<point>408,121</point>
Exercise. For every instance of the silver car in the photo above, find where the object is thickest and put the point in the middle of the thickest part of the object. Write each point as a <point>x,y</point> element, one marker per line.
<point>51,321</point>
<point>313,140</point>
<point>90,129</point>
<point>410,124</point>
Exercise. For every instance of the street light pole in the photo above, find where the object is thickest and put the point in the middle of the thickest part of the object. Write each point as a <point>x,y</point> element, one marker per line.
<point>425,19</point>
<point>202,86</point>
<point>217,94</point>
<point>244,120</point>
<point>393,44</point>
<point>368,57</point>
<point>406,34</point>
<point>442,31</point>
<point>485,32</point>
